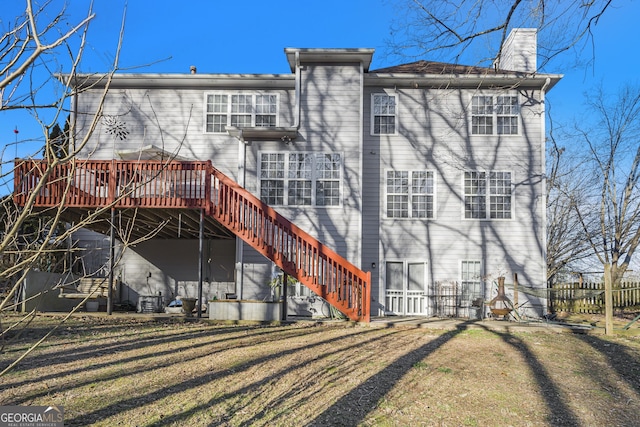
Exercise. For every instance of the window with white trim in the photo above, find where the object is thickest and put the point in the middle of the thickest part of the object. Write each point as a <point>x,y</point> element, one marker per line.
<point>410,194</point>
<point>487,195</point>
<point>240,110</point>
<point>383,112</point>
<point>272,178</point>
<point>471,280</point>
<point>495,115</point>
<point>300,179</point>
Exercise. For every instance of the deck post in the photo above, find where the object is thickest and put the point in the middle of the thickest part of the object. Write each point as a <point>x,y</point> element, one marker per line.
<point>285,281</point>
<point>200,262</point>
<point>112,243</point>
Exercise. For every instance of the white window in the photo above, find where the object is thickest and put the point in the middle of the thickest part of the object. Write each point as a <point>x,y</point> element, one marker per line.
<point>272,178</point>
<point>217,111</point>
<point>495,115</point>
<point>410,194</point>
<point>240,110</point>
<point>306,179</point>
<point>266,110</point>
<point>487,195</point>
<point>383,111</point>
<point>471,280</point>
<point>327,179</point>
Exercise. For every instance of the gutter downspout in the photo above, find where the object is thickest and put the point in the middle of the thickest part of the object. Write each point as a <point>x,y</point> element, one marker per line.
<point>242,162</point>
<point>543,144</point>
<point>298,84</point>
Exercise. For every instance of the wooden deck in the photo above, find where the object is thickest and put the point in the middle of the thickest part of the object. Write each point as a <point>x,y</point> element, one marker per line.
<point>197,185</point>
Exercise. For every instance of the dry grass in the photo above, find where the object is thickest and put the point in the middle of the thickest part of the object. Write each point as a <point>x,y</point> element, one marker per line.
<point>128,372</point>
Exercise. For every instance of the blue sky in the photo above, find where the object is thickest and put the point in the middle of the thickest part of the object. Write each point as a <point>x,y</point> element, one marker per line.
<point>249,36</point>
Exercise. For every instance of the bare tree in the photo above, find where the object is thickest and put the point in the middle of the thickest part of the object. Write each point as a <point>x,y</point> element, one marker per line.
<point>437,28</point>
<point>610,211</point>
<point>32,52</point>
<point>567,248</point>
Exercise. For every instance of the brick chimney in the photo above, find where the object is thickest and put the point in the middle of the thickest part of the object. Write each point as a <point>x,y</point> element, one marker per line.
<point>519,51</point>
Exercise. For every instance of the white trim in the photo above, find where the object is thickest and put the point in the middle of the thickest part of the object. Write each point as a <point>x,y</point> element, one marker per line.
<point>409,209</point>
<point>373,115</point>
<point>494,115</point>
<point>229,113</point>
<point>314,177</point>
<point>405,294</point>
<point>488,196</point>
<point>481,281</point>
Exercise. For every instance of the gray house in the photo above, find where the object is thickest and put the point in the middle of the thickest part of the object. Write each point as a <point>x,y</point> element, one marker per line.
<point>428,177</point>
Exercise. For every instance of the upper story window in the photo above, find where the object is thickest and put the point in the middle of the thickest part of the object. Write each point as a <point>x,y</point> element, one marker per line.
<point>240,110</point>
<point>410,194</point>
<point>495,115</point>
<point>300,179</point>
<point>487,195</point>
<point>383,111</point>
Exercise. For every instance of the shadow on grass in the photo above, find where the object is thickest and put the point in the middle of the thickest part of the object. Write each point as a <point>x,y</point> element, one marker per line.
<point>369,393</point>
<point>177,419</point>
<point>620,358</point>
<point>94,346</point>
<point>224,344</point>
<point>191,383</point>
<point>560,414</point>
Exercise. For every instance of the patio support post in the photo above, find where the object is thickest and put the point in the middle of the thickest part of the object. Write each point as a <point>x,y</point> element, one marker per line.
<point>112,244</point>
<point>285,280</point>
<point>200,262</point>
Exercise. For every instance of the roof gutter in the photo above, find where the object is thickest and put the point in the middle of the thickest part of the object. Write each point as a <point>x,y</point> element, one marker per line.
<point>452,81</point>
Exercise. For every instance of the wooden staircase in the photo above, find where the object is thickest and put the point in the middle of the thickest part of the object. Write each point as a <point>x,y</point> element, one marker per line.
<point>198,185</point>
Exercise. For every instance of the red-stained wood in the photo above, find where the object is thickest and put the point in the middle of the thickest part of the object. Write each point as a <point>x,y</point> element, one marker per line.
<point>198,185</point>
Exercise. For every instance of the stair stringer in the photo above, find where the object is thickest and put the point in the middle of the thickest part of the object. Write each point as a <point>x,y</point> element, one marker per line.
<point>300,255</point>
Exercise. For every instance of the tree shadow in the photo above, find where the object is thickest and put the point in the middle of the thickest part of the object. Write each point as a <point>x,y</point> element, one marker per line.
<point>369,393</point>
<point>224,344</point>
<point>560,414</point>
<point>217,376</point>
<point>619,358</point>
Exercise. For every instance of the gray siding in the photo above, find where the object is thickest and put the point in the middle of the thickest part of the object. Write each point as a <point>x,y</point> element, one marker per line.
<point>171,119</point>
<point>434,134</point>
<point>170,267</point>
<point>330,123</point>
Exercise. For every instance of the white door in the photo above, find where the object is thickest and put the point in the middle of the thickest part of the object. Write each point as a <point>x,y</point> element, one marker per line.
<point>405,288</point>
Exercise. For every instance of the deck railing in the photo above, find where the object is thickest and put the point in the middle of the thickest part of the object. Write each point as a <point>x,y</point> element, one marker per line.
<point>198,185</point>
<point>296,252</point>
<point>91,183</point>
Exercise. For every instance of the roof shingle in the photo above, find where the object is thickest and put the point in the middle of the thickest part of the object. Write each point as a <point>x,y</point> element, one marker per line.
<point>430,67</point>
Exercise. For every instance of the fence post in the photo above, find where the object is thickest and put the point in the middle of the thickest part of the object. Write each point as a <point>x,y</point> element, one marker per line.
<point>608,301</point>
<point>515,290</point>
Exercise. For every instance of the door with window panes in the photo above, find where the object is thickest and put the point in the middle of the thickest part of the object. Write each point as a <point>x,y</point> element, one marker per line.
<point>406,288</point>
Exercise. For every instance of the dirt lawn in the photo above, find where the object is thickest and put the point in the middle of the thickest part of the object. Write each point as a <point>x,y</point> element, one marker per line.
<point>119,371</point>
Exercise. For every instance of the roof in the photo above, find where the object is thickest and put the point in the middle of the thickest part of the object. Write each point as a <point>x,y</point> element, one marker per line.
<point>440,74</point>
<point>414,74</point>
<point>329,55</point>
<point>431,67</point>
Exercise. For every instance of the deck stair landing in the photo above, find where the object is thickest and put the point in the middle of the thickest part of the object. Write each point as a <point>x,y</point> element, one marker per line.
<point>198,185</point>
